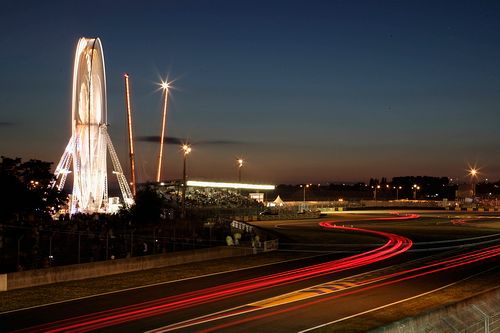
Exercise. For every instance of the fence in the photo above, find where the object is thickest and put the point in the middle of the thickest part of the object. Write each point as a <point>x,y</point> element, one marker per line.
<point>25,247</point>
<point>33,245</point>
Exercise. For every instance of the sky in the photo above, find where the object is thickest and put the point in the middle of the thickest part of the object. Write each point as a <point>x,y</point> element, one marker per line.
<point>303,91</point>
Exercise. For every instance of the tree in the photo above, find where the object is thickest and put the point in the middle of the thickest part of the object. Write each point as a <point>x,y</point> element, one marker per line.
<point>25,189</point>
<point>148,206</point>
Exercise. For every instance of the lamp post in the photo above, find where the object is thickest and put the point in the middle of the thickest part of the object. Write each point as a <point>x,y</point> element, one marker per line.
<point>415,189</point>
<point>186,149</point>
<point>165,86</point>
<point>240,165</point>
<point>304,192</point>
<point>397,188</point>
<point>473,174</point>
<point>375,192</point>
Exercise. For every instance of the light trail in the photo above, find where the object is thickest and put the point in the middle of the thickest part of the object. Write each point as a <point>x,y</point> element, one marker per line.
<point>394,245</point>
<point>436,267</point>
<point>429,268</point>
<point>462,221</point>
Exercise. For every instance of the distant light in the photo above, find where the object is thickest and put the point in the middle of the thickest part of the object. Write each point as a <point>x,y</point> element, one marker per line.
<point>186,148</point>
<point>195,183</point>
<point>165,85</point>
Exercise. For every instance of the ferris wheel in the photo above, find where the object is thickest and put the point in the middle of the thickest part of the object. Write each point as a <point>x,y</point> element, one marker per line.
<point>86,151</point>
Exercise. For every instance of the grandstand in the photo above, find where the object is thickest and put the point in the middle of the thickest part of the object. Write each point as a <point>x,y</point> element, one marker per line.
<point>201,194</point>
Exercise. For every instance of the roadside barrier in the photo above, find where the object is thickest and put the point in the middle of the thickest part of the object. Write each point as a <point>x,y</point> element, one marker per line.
<point>37,277</point>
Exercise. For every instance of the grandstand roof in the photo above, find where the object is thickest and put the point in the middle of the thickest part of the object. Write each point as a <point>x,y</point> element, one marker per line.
<point>195,183</point>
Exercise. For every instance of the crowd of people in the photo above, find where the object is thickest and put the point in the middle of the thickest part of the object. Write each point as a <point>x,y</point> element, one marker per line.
<point>219,198</point>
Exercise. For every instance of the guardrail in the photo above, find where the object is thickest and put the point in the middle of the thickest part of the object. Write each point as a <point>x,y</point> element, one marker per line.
<point>255,234</point>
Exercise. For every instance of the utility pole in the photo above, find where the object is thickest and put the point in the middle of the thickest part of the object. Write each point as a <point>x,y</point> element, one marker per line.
<point>130,135</point>
<point>186,149</point>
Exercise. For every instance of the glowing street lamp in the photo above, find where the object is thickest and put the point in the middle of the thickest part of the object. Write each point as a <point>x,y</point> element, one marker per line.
<point>397,188</point>
<point>473,174</point>
<point>375,188</point>
<point>186,149</point>
<point>165,87</point>
<point>240,165</point>
<point>415,189</point>
<point>304,192</point>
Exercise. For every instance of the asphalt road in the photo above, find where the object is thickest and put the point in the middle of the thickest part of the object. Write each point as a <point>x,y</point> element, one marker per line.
<point>262,299</point>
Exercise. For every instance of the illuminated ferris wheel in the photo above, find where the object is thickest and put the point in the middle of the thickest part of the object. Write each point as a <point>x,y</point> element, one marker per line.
<point>86,150</point>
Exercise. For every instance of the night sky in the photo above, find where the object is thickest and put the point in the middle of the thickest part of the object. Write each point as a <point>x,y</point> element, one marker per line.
<point>304,91</point>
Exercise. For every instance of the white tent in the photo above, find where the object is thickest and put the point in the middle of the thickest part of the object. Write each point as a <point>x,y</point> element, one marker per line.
<point>278,201</point>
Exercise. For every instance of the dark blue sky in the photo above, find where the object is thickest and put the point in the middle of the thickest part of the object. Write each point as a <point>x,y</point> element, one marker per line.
<point>305,91</point>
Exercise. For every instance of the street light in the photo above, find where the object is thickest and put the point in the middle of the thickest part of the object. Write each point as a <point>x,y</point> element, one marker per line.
<point>240,165</point>
<point>415,189</point>
<point>473,174</point>
<point>304,192</point>
<point>397,191</point>
<point>375,192</point>
<point>165,86</point>
<point>186,149</point>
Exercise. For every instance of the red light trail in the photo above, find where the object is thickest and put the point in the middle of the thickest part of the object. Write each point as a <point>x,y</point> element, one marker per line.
<point>435,267</point>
